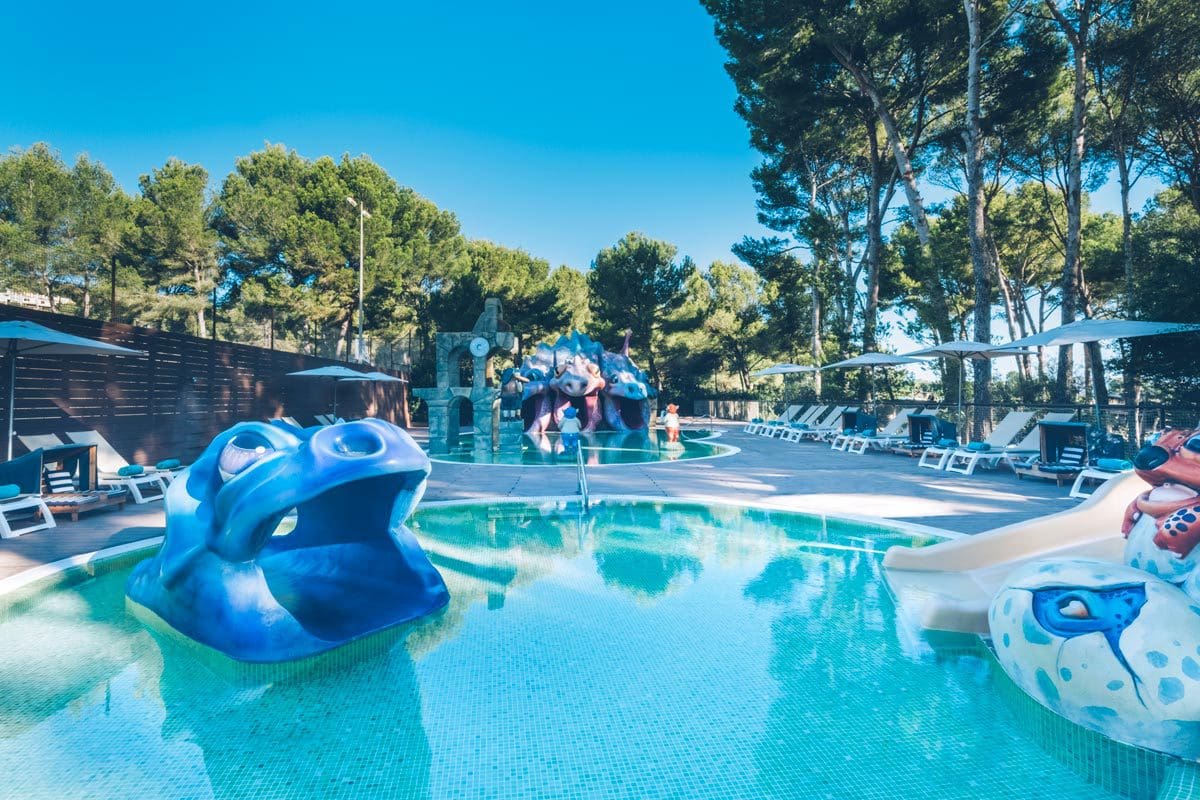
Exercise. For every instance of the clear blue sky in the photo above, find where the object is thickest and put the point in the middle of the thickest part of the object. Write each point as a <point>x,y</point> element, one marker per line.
<point>552,126</point>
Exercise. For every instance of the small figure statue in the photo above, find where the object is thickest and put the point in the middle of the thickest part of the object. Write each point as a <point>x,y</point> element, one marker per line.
<point>671,423</point>
<point>569,428</point>
<point>511,387</point>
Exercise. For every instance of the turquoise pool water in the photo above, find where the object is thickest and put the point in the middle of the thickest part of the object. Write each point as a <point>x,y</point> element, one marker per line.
<point>647,651</point>
<point>599,449</point>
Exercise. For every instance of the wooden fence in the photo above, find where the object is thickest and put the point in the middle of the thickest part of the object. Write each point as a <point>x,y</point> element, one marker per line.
<point>171,402</point>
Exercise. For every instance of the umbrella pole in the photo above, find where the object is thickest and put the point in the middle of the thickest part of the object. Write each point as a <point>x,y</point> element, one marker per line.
<point>962,367</point>
<point>12,394</point>
<point>335,385</point>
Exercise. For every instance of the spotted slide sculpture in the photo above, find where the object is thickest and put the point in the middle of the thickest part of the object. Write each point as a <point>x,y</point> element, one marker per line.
<point>283,543</point>
<point>1116,647</point>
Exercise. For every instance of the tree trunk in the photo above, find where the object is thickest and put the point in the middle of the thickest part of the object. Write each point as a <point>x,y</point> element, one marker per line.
<point>912,192</point>
<point>976,224</point>
<point>112,297</point>
<point>816,333</point>
<point>1132,386</point>
<point>201,325</point>
<point>1078,38</point>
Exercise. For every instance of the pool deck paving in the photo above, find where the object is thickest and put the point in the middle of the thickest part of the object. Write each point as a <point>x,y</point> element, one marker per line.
<point>798,476</point>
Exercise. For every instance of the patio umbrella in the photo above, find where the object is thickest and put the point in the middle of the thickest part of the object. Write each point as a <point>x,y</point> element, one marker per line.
<point>21,337</point>
<point>783,369</point>
<point>337,374</point>
<point>873,360</point>
<point>383,377</point>
<point>964,350</point>
<point>1099,330</point>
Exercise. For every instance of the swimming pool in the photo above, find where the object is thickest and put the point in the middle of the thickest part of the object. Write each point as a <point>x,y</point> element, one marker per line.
<point>649,650</point>
<point>601,448</point>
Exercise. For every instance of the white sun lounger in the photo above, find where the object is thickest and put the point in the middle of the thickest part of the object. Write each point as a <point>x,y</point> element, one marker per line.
<point>896,430</point>
<point>831,423</point>
<point>964,461</point>
<point>804,421</point>
<point>20,506</point>
<point>109,463</point>
<point>775,426</point>
<point>1001,437</point>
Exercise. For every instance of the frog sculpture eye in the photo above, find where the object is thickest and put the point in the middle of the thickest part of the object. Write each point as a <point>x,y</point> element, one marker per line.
<point>241,452</point>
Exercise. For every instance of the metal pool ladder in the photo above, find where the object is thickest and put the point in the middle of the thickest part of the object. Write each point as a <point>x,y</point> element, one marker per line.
<point>581,474</point>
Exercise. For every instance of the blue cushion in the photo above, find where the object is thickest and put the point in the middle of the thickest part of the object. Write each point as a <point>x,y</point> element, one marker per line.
<point>978,447</point>
<point>800,426</point>
<point>947,442</point>
<point>756,420</point>
<point>869,432</point>
<point>848,431</point>
<point>1114,464</point>
<point>9,490</point>
<point>130,470</point>
<point>169,463</point>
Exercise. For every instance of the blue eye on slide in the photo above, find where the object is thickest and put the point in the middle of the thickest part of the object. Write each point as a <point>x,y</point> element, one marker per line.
<point>240,453</point>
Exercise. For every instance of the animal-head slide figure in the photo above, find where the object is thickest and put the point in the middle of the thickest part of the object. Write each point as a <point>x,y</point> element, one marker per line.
<point>283,543</point>
<point>1116,647</point>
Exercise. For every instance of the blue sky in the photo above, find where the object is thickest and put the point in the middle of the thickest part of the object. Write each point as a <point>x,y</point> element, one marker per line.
<point>556,127</point>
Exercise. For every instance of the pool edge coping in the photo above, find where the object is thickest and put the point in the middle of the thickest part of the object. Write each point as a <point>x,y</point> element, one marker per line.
<point>725,450</point>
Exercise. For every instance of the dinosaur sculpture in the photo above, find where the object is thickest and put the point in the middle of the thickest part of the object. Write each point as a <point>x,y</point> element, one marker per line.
<point>282,543</point>
<point>1116,647</point>
<point>606,389</point>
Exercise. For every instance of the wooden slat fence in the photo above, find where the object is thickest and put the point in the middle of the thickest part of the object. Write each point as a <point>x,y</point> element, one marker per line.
<point>172,402</point>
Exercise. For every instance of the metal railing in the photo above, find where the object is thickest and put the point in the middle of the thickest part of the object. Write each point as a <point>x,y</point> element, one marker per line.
<point>581,474</point>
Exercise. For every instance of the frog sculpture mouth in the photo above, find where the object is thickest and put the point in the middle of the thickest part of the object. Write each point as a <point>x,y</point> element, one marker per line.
<point>283,543</point>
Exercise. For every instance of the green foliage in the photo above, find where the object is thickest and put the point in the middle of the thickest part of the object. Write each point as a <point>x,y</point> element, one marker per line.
<point>634,285</point>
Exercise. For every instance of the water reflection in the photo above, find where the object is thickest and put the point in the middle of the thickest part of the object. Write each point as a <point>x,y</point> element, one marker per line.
<point>663,649</point>
<point>599,448</point>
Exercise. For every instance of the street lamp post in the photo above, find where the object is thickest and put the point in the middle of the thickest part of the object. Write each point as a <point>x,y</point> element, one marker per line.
<point>360,354</point>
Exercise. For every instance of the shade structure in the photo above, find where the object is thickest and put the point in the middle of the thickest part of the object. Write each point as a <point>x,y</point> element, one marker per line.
<point>783,369</point>
<point>967,349</point>
<point>873,360</point>
<point>383,377</point>
<point>336,373</point>
<point>21,337</point>
<point>1100,330</point>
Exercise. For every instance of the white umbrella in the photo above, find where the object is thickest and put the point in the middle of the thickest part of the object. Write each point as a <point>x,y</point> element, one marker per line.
<point>383,377</point>
<point>335,372</point>
<point>20,337</point>
<point>1099,330</point>
<point>873,360</point>
<point>783,369</point>
<point>963,350</point>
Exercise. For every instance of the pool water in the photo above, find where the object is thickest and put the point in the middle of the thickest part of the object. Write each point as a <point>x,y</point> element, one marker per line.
<point>649,650</point>
<point>599,449</point>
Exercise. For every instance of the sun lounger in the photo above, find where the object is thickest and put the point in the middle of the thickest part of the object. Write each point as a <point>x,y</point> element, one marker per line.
<point>114,471</point>
<point>1104,471</point>
<point>830,423</point>
<point>19,507</point>
<point>864,424</point>
<point>1001,436</point>
<point>779,424</point>
<point>802,423</point>
<point>895,431</point>
<point>1018,456</point>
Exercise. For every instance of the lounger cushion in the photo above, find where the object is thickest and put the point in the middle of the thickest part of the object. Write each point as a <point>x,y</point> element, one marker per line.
<point>131,470</point>
<point>947,443</point>
<point>9,491</point>
<point>1114,464</point>
<point>59,481</point>
<point>169,463</point>
<point>978,447</point>
<point>848,431</point>
<point>756,419</point>
<point>800,426</point>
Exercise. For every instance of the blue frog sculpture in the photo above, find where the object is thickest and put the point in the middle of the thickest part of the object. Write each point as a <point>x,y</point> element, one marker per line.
<point>283,543</point>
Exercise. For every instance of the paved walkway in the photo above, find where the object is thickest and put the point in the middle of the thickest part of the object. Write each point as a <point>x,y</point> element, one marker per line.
<point>806,477</point>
